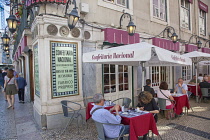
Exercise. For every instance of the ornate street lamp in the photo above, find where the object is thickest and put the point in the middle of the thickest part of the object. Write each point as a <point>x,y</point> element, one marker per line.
<point>5,48</point>
<point>5,39</point>
<point>73,16</point>
<point>131,26</point>
<point>198,42</point>
<point>170,33</point>
<point>12,23</point>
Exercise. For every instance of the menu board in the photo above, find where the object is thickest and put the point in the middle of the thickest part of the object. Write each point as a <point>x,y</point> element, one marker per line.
<point>36,70</point>
<point>64,69</point>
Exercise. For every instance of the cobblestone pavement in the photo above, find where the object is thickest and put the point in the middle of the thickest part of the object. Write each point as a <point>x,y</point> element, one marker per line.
<point>19,124</point>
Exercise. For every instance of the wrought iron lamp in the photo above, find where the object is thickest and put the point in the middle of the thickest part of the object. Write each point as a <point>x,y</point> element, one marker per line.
<point>5,39</point>
<point>198,42</point>
<point>73,16</point>
<point>131,26</point>
<point>170,34</point>
<point>12,20</point>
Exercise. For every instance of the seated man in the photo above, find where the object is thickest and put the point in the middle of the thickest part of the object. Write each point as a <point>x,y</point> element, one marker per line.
<point>181,87</point>
<point>102,115</point>
<point>205,83</point>
<point>193,81</point>
<point>148,87</point>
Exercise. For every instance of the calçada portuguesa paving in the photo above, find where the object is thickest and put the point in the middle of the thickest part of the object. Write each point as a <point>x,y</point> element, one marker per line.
<point>19,124</point>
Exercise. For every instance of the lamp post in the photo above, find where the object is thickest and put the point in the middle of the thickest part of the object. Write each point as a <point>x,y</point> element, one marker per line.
<point>12,20</point>
<point>170,33</point>
<point>73,16</point>
<point>5,39</point>
<point>198,42</point>
<point>131,26</point>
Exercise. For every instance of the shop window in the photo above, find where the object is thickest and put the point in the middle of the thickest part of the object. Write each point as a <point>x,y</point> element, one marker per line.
<point>123,3</point>
<point>202,22</point>
<point>123,77</point>
<point>110,76</point>
<point>186,73</point>
<point>185,14</point>
<point>160,9</point>
<point>159,74</point>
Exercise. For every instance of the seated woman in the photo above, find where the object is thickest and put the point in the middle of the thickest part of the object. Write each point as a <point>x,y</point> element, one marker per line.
<point>164,93</point>
<point>147,103</point>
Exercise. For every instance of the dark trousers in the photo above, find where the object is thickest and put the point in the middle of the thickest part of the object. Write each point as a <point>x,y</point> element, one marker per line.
<point>21,94</point>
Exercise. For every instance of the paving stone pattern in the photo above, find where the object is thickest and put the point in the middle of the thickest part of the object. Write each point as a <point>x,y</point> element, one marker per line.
<point>18,124</point>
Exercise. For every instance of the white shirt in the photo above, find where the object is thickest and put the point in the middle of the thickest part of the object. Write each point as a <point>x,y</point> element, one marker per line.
<point>11,82</point>
<point>167,94</point>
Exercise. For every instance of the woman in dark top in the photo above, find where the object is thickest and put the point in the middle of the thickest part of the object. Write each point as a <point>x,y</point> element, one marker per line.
<point>147,103</point>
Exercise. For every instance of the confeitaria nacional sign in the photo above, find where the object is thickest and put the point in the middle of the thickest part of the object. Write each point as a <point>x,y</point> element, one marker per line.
<point>33,2</point>
<point>64,69</point>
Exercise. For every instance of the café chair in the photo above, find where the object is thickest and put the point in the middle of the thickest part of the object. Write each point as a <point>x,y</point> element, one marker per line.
<point>71,113</point>
<point>205,94</point>
<point>125,102</point>
<point>100,130</point>
<point>189,95</point>
<point>162,104</point>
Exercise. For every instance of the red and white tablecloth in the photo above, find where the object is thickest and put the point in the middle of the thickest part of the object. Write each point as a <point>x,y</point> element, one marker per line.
<point>140,125</point>
<point>181,101</point>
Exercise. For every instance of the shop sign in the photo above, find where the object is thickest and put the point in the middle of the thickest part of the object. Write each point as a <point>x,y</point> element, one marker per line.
<point>34,2</point>
<point>64,69</point>
<point>36,70</point>
<point>203,6</point>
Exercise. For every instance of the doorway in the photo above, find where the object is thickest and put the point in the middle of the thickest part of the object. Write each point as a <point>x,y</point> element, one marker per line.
<point>31,71</point>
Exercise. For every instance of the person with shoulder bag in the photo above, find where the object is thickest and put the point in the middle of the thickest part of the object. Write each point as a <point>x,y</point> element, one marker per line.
<point>164,93</point>
<point>11,88</point>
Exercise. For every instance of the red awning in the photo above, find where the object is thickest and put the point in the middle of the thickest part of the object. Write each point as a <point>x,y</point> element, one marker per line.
<point>120,37</point>
<point>191,1</point>
<point>205,50</point>
<point>190,48</point>
<point>203,6</point>
<point>165,44</point>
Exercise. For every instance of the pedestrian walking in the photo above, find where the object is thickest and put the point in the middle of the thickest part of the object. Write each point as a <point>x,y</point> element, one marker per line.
<point>4,73</point>
<point>1,80</point>
<point>21,87</point>
<point>11,88</point>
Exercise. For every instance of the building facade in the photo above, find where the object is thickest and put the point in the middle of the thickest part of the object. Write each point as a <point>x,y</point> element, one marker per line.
<point>50,55</point>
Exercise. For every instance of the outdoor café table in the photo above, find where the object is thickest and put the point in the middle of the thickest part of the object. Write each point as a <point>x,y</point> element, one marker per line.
<point>140,125</point>
<point>192,88</point>
<point>89,107</point>
<point>181,101</point>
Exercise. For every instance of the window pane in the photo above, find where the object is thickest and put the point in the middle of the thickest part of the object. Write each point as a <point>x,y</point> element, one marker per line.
<point>113,88</point>
<point>106,68</point>
<point>107,89</point>
<point>113,79</point>
<point>121,87</point>
<point>125,86</point>
<point>120,68</point>
<point>112,68</point>
<point>125,68</point>
<point>125,77</point>
<point>106,79</point>
<point>120,78</point>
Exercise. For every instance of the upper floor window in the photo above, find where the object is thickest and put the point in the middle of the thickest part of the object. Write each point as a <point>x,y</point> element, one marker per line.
<point>202,22</point>
<point>123,3</point>
<point>160,9</point>
<point>185,14</point>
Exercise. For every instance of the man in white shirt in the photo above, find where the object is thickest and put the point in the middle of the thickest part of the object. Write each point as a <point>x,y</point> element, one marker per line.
<point>181,87</point>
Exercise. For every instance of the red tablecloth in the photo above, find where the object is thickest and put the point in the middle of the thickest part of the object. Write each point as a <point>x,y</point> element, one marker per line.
<point>89,107</point>
<point>181,102</point>
<point>140,125</point>
<point>192,88</point>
